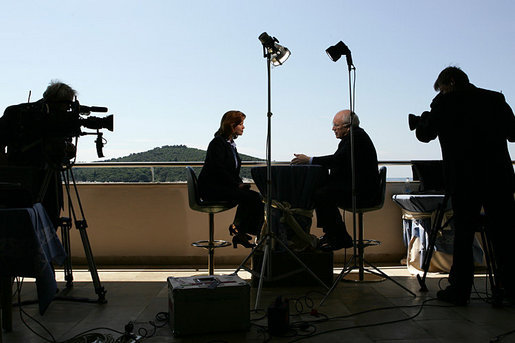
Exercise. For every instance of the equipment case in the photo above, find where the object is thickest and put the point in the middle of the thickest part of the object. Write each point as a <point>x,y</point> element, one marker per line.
<point>205,304</point>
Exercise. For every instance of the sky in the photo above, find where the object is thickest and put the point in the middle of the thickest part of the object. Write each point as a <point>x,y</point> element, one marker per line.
<point>168,70</point>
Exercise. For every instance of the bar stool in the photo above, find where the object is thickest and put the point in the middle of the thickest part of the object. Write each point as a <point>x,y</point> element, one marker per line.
<point>357,260</point>
<point>359,241</point>
<point>211,207</point>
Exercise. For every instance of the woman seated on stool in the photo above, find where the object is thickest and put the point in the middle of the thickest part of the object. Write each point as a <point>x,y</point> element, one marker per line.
<point>220,180</point>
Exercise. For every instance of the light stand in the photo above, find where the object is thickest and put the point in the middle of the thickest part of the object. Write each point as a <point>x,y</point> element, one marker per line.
<point>357,260</point>
<point>276,55</point>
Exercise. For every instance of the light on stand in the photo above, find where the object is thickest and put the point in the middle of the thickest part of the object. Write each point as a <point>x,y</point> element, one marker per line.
<point>336,51</point>
<point>278,53</point>
<point>357,260</point>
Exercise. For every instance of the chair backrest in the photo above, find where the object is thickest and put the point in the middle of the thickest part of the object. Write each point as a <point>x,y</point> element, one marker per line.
<point>431,175</point>
<point>379,201</point>
<point>193,192</point>
<point>382,186</point>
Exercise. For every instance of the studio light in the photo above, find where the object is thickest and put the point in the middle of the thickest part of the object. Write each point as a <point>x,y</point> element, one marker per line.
<point>275,55</point>
<point>278,53</point>
<point>336,51</point>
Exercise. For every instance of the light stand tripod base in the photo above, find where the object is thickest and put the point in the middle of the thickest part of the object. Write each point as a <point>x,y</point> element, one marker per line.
<point>285,271</point>
<point>367,277</point>
<point>265,273</point>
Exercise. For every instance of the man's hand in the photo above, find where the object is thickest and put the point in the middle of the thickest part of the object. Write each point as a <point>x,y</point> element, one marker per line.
<point>300,159</point>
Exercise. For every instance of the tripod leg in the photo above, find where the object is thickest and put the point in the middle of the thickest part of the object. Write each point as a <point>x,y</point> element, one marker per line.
<point>262,274</point>
<point>65,238</point>
<point>99,290</point>
<point>435,228</point>
<point>303,265</point>
<point>379,272</point>
<point>342,274</point>
<point>81,225</point>
<point>249,256</point>
<point>491,267</point>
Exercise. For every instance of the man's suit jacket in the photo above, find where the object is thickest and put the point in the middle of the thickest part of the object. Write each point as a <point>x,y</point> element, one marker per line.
<point>366,172</point>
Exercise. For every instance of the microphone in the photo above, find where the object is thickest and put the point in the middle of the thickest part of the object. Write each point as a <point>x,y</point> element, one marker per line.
<point>87,109</point>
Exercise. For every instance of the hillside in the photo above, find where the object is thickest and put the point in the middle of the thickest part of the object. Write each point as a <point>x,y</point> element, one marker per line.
<point>166,153</point>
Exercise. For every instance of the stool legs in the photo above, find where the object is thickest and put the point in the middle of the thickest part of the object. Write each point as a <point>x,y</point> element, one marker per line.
<point>211,243</point>
<point>361,248</point>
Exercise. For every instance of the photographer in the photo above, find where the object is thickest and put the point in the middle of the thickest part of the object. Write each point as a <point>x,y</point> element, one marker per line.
<point>36,136</point>
<point>473,126</point>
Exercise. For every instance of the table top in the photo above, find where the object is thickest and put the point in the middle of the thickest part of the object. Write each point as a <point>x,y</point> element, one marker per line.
<point>294,184</point>
<point>419,203</point>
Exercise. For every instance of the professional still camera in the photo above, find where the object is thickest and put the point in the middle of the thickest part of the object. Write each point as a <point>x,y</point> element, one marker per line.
<point>413,121</point>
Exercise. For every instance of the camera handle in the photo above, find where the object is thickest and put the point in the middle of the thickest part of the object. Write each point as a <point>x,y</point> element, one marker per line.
<point>99,142</point>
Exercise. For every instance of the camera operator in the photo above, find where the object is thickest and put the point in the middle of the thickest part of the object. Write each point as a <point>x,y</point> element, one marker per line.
<point>473,126</point>
<point>37,136</point>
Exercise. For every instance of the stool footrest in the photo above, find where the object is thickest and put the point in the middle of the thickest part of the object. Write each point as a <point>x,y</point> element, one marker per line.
<point>211,245</point>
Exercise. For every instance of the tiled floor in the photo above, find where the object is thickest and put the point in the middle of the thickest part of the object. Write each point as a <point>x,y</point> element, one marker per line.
<point>354,312</point>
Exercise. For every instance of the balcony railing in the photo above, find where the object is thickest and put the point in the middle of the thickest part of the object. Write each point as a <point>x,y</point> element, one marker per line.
<point>246,164</point>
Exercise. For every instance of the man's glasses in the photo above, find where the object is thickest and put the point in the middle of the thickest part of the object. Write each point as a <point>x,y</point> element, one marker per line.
<point>341,125</point>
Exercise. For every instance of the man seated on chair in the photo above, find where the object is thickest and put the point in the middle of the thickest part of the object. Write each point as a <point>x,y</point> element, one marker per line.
<point>337,191</point>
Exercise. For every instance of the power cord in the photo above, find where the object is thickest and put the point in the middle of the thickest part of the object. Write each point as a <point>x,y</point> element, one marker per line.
<point>128,336</point>
<point>19,284</point>
<point>372,324</point>
<point>303,329</point>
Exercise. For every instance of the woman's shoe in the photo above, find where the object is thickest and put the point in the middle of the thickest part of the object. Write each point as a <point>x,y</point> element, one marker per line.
<point>239,239</point>
<point>233,231</point>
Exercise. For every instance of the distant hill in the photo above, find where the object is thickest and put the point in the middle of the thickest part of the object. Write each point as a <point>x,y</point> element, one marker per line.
<point>167,153</point>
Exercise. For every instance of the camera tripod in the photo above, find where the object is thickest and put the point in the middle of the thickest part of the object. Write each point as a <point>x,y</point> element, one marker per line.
<point>66,224</point>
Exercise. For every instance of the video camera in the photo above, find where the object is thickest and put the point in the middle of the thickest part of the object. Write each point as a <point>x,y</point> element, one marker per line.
<point>69,124</point>
<point>95,123</point>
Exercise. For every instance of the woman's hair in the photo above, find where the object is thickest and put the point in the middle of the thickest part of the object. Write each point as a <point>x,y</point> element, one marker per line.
<point>229,121</point>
